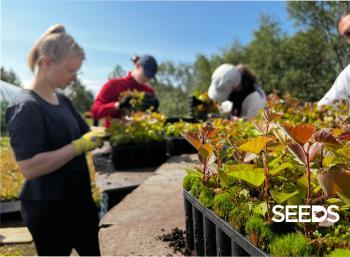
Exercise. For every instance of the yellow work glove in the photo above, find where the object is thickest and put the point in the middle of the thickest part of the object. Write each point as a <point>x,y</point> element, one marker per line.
<point>89,141</point>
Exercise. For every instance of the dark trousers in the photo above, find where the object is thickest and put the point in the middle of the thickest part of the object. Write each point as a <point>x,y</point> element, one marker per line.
<point>58,226</point>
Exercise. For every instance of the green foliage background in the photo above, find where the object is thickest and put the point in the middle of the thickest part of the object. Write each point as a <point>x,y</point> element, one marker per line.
<point>304,63</point>
<point>81,97</point>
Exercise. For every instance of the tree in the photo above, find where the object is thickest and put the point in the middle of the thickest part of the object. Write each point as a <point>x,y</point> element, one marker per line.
<point>173,85</point>
<point>236,53</point>
<point>265,55</point>
<point>81,98</point>
<point>173,101</point>
<point>301,64</point>
<point>308,68</point>
<point>177,75</point>
<point>10,77</point>
<point>117,72</point>
<point>203,70</point>
<point>3,107</point>
<point>323,16</point>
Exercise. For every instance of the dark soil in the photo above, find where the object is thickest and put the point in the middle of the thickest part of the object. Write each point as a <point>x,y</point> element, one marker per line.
<point>177,241</point>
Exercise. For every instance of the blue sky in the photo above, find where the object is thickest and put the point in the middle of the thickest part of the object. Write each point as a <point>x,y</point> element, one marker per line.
<point>112,31</point>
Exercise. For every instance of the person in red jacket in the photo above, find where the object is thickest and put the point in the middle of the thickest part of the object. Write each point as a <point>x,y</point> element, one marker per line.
<point>107,105</point>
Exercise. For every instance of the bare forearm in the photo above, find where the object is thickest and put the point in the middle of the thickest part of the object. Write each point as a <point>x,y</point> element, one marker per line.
<point>47,162</point>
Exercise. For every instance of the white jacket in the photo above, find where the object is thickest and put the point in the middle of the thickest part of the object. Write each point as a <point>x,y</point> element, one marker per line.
<point>340,89</point>
<point>251,105</point>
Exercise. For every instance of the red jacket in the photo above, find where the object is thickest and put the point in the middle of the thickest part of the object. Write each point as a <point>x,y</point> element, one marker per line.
<point>104,105</point>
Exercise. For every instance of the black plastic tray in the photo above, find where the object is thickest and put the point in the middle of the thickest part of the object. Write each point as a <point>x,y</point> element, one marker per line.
<point>209,235</point>
<point>177,119</point>
<point>10,206</point>
<point>140,155</point>
<point>179,145</point>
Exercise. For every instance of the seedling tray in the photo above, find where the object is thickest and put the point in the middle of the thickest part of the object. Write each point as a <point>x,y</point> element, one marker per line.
<point>179,145</point>
<point>139,155</point>
<point>209,235</point>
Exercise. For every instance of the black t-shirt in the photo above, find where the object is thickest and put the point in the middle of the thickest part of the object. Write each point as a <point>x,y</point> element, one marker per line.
<point>36,126</point>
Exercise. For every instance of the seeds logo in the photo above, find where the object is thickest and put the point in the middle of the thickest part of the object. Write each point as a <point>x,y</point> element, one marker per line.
<point>305,213</point>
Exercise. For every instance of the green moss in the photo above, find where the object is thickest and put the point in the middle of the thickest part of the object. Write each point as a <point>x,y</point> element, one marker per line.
<point>258,232</point>
<point>293,245</point>
<point>21,249</point>
<point>234,191</point>
<point>223,204</point>
<point>212,182</point>
<point>206,197</point>
<point>197,188</point>
<point>340,253</point>
<point>238,217</point>
<point>188,181</point>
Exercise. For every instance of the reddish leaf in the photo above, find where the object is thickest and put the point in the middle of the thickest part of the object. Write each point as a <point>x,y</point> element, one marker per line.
<point>208,132</point>
<point>325,136</point>
<point>262,126</point>
<point>273,99</point>
<point>193,139</point>
<point>270,116</point>
<point>299,133</point>
<point>298,152</point>
<point>344,136</point>
<point>313,150</point>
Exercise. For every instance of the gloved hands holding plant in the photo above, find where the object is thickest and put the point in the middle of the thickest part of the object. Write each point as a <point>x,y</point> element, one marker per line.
<point>149,101</point>
<point>125,102</point>
<point>194,101</point>
<point>89,141</point>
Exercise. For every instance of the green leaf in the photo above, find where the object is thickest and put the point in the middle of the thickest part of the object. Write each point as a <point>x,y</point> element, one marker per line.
<point>344,152</point>
<point>224,177</point>
<point>328,160</point>
<point>339,252</point>
<point>302,181</point>
<point>256,145</point>
<point>333,200</point>
<point>275,162</point>
<point>280,168</point>
<point>302,192</point>
<point>239,167</point>
<point>248,173</point>
<point>295,200</point>
<point>345,196</point>
<point>260,209</point>
<point>281,197</point>
<point>205,150</point>
<point>317,189</point>
<point>194,173</point>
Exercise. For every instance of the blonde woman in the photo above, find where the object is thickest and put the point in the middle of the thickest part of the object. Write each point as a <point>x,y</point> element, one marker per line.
<point>49,139</point>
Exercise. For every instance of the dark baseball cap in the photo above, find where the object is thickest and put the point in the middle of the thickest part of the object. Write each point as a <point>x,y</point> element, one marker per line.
<point>149,65</point>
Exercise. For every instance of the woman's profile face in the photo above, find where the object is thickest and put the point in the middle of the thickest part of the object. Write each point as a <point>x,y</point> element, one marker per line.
<point>63,73</point>
<point>140,75</point>
<point>344,28</point>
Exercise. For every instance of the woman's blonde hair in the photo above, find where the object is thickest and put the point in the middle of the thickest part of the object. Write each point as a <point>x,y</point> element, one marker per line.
<point>56,44</point>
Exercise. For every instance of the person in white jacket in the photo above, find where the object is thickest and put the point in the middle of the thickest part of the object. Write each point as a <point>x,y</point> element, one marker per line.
<point>340,91</point>
<point>237,90</point>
